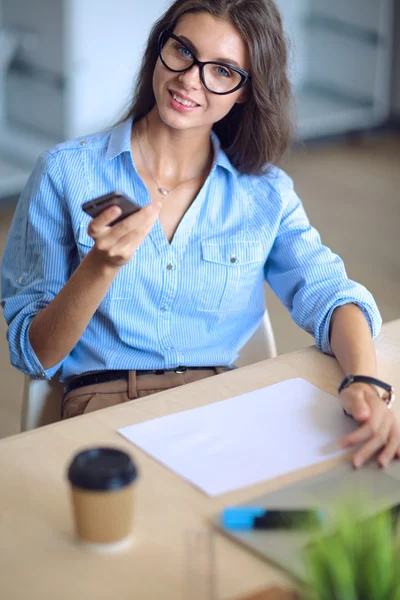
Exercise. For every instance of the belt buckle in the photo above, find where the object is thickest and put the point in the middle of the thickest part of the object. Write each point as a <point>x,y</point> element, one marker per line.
<point>181,370</point>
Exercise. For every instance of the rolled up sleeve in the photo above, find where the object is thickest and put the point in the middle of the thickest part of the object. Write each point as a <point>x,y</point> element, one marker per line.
<point>37,261</point>
<point>309,278</point>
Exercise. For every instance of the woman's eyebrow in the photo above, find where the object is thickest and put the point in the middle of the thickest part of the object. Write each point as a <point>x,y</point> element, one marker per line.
<point>191,46</point>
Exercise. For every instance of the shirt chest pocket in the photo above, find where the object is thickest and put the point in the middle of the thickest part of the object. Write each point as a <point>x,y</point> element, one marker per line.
<point>228,273</point>
<point>122,287</point>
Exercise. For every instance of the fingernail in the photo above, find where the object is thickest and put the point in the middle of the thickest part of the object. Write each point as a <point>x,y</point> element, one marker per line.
<point>358,462</point>
<point>156,206</point>
<point>384,463</point>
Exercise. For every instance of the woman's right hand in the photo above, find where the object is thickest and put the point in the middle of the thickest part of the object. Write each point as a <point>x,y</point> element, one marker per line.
<point>115,246</point>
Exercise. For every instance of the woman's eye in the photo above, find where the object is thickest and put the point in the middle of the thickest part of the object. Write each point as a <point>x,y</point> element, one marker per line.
<point>223,72</point>
<point>185,52</point>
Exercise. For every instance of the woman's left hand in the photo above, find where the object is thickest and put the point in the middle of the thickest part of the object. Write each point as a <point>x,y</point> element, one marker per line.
<point>379,428</point>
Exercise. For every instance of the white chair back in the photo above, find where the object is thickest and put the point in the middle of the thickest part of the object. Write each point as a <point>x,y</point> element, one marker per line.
<point>41,403</point>
<point>260,346</point>
<point>42,399</point>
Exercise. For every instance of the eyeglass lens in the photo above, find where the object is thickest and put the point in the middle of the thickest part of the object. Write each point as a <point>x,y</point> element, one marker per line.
<point>218,78</point>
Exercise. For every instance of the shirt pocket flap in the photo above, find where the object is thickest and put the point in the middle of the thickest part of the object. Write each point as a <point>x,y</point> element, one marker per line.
<point>232,253</point>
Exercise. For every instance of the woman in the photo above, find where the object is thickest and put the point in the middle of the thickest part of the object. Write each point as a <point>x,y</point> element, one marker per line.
<point>115,311</point>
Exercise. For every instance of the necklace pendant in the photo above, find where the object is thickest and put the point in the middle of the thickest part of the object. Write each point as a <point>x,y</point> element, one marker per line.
<point>163,191</point>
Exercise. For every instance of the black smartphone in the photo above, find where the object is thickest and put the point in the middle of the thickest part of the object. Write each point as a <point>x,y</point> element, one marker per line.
<point>96,206</point>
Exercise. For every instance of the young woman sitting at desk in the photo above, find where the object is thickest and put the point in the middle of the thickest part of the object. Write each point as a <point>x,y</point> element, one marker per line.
<point>115,311</point>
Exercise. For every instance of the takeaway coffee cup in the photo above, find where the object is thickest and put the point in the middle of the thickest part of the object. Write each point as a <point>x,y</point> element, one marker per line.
<point>102,489</point>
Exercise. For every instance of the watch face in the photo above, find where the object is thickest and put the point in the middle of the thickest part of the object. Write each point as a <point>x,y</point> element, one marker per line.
<point>390,399</point>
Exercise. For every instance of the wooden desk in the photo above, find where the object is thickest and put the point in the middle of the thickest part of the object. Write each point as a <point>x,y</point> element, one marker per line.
<point>38,556</point>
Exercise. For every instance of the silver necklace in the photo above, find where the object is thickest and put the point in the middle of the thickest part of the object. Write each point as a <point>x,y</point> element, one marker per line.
<point>161,189</point>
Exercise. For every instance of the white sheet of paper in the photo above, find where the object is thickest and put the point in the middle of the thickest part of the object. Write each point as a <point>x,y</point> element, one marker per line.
<point>247,439</point>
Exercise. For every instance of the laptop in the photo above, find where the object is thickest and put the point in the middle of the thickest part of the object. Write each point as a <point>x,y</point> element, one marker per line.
<point>372,487</point>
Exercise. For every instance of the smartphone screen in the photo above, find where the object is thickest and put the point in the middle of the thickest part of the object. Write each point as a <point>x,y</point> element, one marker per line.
<point>96,206</point>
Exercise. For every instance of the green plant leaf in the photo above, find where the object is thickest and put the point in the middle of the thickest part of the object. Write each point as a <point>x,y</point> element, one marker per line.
<point>359,561</point>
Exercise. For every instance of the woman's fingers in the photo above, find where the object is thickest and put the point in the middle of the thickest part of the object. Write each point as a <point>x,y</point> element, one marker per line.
<point>104,219</point>
<point>134,231</point>
<point>100,225</point>
<point>127,245</point>
<point>379,429</point>
<point>392,447</point>
<point>117,244</point>
<point>375,427</point>
<point>134,224</point>
<point>369,449</point>
<point>362,434</point>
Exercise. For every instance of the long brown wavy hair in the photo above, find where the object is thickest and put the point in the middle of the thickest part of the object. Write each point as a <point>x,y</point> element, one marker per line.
<point>254,134</point>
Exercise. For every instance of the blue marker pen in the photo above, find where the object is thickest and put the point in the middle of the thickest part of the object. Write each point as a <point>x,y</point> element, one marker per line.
<point>244,518</point>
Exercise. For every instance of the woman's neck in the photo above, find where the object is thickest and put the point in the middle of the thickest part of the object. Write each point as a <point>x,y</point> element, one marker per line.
<point>173,155</point>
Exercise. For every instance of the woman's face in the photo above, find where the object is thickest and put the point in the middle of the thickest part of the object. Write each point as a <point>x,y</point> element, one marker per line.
<point>211,40</point>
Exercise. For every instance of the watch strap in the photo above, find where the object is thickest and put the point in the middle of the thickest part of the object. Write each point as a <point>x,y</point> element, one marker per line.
<point>347,381</point>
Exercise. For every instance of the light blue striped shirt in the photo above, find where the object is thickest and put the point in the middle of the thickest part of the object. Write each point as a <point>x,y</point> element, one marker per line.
<point>194,302</point>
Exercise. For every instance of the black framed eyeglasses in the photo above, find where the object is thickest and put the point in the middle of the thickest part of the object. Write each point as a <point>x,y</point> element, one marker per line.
<point>217,78</point>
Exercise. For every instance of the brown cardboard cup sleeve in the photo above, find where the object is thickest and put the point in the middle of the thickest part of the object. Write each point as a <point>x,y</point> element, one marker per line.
<point>102,484</point>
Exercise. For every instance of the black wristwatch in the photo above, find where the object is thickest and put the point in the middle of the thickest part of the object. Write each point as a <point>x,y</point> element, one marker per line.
<point>372,381</point>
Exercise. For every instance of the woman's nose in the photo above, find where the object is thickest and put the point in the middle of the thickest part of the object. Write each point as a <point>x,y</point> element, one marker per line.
<point>191,78</point>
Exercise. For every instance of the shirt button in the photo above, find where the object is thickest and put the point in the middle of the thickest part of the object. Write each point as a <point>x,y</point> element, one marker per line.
<point>164,308</point>
<point>170,267</point>
<point>234,260</point>
<point>168,348</point>
<point>83,143</point>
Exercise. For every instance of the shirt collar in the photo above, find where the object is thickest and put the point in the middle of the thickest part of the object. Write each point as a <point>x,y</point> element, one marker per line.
<point>220,158</point>
<point>120,141</point>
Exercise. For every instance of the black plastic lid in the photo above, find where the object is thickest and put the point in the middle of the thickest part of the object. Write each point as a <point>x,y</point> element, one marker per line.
<point>102,469</point>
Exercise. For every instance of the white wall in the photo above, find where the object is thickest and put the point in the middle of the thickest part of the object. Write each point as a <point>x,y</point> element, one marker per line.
<point>396,65</point>
<point>105,41</point>
<point>294,13</point>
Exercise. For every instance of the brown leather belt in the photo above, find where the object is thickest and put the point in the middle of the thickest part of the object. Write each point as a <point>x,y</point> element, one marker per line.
<point>104,376</point>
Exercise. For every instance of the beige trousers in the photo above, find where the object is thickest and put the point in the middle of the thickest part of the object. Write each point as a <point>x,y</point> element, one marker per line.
<point>89,398</point>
